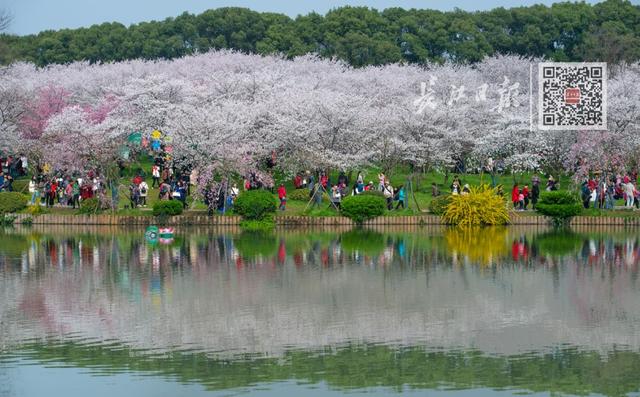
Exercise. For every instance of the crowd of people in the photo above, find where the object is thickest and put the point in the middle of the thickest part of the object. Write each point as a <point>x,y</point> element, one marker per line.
<point>69,189</point>
<point>54,187</point>
<point>12,167</point>
<point>65,190</point>
<point>602,192</point>
<point>521,197</point>
<point>338,189</point>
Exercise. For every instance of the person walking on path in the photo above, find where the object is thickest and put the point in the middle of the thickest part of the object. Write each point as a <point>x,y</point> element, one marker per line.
<point>629,191</point>
<point>515,196</point>
<point>526,193</point>
<point>551,184</point>
<point>535,191</point>
<point>155,175</point>
<point>388,194</point>
<point>401,198</point>
<point>336,197</point>
<point>144,191</point>
<point>33,189</point>
<point>165,191</point>
<point>282,195</point>
<point>75,198</point>
<point>182,193</point>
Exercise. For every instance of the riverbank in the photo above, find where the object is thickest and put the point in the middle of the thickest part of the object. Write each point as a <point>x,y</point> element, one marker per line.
<point>286,220</point>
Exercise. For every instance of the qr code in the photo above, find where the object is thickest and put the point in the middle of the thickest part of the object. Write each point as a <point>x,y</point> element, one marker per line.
<point>572,96</point>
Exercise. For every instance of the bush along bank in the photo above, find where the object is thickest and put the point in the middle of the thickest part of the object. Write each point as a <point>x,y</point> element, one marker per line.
<point>257,209</point>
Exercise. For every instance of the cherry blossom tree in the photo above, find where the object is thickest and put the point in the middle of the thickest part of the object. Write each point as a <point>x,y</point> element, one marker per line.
<point>232,113</point>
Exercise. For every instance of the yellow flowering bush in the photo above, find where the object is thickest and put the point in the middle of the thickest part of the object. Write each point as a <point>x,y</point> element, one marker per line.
<point>481,206</point>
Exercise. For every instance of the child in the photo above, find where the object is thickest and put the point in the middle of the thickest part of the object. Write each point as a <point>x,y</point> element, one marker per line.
<point>521,200</point>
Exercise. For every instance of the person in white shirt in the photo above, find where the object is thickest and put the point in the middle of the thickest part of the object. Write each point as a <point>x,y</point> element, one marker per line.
<point>388,194</point>
<point>234,191</point>
<point>155,174</point>
<point>629,191</point>
<point>144,190</point>
<point>25,164</point>
<point>33,189</point>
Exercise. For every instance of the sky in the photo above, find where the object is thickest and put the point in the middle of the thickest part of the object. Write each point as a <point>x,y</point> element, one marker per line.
<point>33,16</point>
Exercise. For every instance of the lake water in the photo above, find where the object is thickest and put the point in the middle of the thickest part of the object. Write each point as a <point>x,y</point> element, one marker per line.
<point>217,312</point>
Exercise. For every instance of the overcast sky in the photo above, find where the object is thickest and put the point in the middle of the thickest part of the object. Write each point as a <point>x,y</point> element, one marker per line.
<point>32,16</point>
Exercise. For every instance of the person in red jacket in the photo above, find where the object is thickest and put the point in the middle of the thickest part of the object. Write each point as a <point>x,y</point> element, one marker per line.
<point>525,193</point>
<point>515,195</point>
<point>282,195</point>
<point>53,192</point>
<point>297,181</point>
<point>324,180</point>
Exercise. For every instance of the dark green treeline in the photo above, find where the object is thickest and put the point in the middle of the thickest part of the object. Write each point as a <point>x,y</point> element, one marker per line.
<point>608,31</point>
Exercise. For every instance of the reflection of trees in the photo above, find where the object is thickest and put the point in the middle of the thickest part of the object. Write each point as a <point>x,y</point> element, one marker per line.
<point>559,242</point>
<point>566,370</point>
<point>36,252</point>
<point>313,285</point>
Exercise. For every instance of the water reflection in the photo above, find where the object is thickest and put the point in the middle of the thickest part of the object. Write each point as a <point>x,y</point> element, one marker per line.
<point>433,307</point>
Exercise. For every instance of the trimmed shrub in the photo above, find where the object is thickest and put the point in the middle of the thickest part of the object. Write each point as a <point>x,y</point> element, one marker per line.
<point>12,202</point>
<point>481,206</point>
<point>363,207</point>
<point>299,195</point>
<point>90,206</point>
<point>255,204</point>
<point>167,208</point>
<point>560,206</point>
<point>438,205</point>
